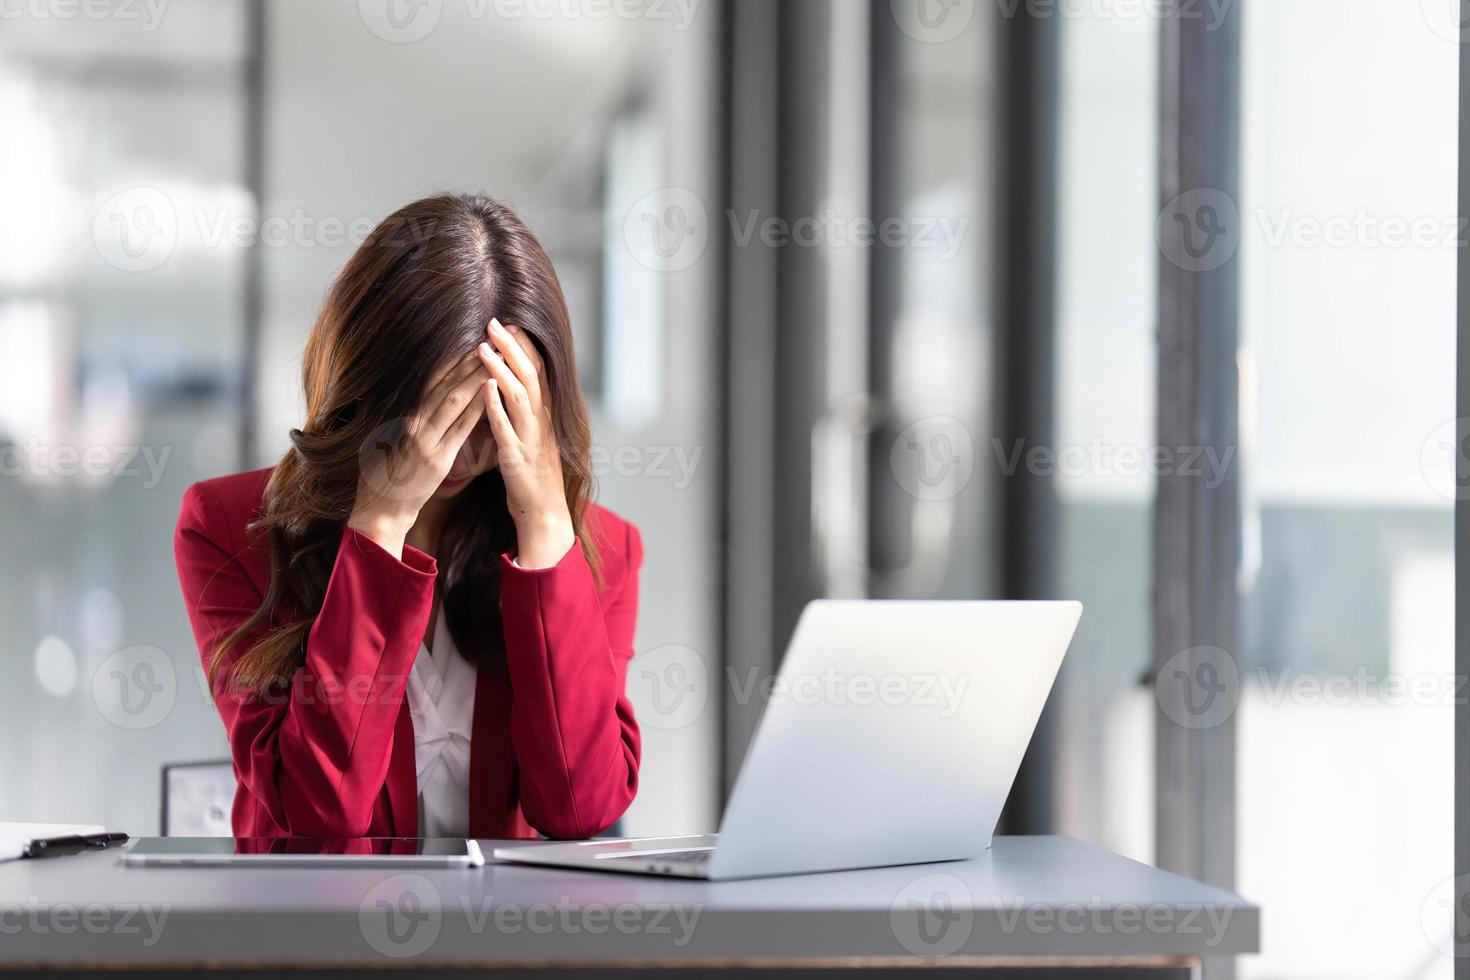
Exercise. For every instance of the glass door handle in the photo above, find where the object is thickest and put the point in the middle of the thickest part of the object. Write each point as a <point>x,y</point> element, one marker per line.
<point>841,450</point>
<point>839,497</point>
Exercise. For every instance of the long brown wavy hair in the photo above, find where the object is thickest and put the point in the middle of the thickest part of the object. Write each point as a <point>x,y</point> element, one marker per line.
<point>415,295</point>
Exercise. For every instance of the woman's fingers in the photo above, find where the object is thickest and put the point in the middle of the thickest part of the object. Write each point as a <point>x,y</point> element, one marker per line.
<point>529,346</point>
<point>452,403</point>
<point>453,366</point>
<point>446,381</point>
<point>460,429</point>
<point>512,393</point>
<point>500,427</point>
<point>513,349</point>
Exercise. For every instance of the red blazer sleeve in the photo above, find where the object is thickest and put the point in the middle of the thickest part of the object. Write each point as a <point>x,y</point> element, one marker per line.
<point>316,757</point>
<point>572,728</point>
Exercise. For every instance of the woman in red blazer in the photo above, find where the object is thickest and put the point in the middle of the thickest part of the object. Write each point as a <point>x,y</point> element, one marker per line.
<point>417,623</point>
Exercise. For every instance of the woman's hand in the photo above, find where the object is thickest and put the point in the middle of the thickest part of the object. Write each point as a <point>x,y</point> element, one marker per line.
<point>519,412</point>
<point>401,471</point>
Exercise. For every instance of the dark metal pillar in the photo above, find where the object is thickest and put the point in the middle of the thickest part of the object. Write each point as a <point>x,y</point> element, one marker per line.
<point>1025,361</point>
<point>254,287</point>
<point>1197,543</point>
<point>1461,886</point>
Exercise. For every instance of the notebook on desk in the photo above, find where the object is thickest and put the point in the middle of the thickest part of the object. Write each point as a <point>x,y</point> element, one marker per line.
<point>15,836</point>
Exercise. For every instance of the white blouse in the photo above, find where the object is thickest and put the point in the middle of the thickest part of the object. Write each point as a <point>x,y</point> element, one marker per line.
<point>441,701</point>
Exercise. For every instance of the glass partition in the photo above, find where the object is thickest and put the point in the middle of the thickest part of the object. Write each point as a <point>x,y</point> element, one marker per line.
<point>1105,369</point>
<point>121,359</point>
<point>1345,723</point>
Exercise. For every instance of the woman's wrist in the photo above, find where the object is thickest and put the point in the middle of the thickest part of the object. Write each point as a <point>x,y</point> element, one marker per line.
<point>543,540</point>
<point>386,532</point>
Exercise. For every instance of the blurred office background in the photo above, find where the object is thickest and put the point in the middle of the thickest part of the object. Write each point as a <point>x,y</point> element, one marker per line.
<point>789,408</point>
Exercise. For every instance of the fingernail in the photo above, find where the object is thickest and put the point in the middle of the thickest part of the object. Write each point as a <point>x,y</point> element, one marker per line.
<point>485,348</point>
<point>494,323</point>
<point>513,329</point>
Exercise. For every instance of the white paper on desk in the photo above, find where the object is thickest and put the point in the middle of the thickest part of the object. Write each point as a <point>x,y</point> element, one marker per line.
<point>15,836</point>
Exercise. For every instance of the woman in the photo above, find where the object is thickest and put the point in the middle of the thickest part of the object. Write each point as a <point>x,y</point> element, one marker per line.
<point>417,623</point>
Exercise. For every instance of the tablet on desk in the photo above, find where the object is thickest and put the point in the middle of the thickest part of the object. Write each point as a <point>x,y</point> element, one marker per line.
<point>299,852</point>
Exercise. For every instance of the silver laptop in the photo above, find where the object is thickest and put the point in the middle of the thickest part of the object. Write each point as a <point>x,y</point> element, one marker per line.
<point>891,735</point>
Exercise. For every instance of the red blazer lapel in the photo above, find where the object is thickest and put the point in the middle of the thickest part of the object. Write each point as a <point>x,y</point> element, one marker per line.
<point>492,764</point>
<point>403,779</point>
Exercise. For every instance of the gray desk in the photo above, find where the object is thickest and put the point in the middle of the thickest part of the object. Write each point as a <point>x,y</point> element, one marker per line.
<point>1031,907</point>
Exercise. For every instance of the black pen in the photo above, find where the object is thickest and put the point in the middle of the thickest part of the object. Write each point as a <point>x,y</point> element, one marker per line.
<point>43,847</point>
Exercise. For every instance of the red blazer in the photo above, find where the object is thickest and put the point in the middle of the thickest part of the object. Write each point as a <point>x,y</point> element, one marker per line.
<point>554,746</point>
